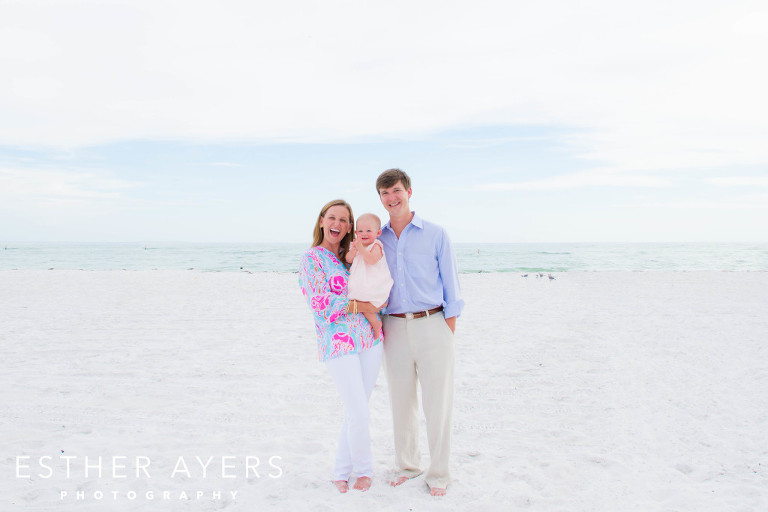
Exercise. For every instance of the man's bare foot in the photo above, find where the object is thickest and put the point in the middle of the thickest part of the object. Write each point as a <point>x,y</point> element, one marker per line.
<point>400,481</point>
<point>437,491</point>
<point>341,485</point>
<point>363,483</point>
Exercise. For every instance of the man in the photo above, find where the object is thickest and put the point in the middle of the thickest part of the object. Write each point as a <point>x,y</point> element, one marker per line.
<point>418,331</point>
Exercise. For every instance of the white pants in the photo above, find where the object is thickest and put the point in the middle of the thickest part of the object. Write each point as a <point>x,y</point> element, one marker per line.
<point>355,376</point>
<point>421,351</point>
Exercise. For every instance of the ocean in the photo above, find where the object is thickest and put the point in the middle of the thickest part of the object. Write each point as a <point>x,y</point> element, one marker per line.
<point>472,258</point>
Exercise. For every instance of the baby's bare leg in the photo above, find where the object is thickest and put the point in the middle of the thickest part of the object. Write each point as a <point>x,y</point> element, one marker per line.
<point>373,318</point>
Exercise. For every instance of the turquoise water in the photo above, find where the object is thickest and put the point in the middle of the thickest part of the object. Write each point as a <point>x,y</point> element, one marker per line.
<point>627,257</point>
<point>471,258</point>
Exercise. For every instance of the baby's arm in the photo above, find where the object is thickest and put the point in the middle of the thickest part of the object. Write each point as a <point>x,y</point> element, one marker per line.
<point>350,257</point>
<point>372,256</point>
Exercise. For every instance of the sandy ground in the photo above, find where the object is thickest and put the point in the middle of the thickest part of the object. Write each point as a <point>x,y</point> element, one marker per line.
<point>591,392</point>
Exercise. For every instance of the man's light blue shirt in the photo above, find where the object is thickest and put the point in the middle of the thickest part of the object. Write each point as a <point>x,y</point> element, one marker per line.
<point>423,266</point>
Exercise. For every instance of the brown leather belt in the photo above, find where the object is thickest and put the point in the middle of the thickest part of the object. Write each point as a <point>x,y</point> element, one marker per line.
<point>419,314</point>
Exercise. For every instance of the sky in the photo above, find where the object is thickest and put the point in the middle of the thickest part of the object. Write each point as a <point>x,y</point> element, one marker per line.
<point>236,121</point>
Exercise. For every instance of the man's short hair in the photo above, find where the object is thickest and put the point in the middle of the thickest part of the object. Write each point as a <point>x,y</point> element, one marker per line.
<point>390,177</point>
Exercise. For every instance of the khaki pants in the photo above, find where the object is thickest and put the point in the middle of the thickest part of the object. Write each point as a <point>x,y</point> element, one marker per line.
<point>422,350</point>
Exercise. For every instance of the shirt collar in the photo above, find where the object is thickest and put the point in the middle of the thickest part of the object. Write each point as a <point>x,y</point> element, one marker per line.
<point>416,221</point>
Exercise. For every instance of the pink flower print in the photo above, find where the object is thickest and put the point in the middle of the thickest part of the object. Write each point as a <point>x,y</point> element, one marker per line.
<point>342,344</point>
<point>320,302</point>
<point>338,283</point>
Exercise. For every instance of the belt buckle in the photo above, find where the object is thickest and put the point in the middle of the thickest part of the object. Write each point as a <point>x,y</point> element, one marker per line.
<point>409,316</point>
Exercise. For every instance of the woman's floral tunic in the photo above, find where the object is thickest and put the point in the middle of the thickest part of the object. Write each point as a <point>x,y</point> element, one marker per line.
<point>323,281</point>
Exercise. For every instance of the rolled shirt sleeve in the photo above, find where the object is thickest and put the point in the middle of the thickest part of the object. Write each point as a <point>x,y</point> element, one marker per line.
<point>453,304</point>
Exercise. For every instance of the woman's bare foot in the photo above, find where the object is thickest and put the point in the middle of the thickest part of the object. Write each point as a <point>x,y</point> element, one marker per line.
<point>341,485</point>
<point>437,491</point>
<point>363,483</point>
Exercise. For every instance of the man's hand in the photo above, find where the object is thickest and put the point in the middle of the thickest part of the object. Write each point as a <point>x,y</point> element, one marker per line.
<point>451,323</point>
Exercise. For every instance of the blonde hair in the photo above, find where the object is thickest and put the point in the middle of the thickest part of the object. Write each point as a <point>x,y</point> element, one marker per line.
<point>318,235</point>
<point>375,218</point>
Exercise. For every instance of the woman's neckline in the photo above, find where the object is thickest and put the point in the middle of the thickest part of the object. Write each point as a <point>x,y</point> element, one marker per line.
<point>329,252</point>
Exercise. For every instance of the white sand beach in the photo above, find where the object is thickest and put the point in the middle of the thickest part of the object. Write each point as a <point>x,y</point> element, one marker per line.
<point>600,391</point>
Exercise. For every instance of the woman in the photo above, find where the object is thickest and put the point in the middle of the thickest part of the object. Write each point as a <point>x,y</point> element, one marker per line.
<point>345,339</point>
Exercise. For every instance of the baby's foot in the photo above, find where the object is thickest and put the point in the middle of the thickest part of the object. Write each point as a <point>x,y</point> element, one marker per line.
<point>377,329</point>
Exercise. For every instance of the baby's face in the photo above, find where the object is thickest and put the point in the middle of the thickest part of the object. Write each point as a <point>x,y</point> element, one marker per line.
<point>367,231</point>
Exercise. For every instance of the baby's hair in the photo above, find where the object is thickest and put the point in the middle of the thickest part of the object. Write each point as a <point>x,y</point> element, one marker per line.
<point>371,216</point>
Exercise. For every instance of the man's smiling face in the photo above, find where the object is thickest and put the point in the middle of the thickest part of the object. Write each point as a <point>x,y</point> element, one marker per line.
<point>395,199</point>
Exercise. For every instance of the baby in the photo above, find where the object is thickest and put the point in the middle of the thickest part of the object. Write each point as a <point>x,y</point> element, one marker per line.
<point>369,278</point>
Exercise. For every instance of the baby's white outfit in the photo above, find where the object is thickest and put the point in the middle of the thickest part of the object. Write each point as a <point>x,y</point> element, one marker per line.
<point>370,283</point>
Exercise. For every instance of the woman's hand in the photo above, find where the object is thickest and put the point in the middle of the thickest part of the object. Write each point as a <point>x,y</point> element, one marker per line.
<point>363,307</point>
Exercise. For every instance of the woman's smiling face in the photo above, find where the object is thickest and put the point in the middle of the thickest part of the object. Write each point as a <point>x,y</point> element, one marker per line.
<point>336,223</point>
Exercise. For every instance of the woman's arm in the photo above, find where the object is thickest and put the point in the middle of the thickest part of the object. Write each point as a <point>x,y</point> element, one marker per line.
<point>317,290</point>
<point>356,306</point>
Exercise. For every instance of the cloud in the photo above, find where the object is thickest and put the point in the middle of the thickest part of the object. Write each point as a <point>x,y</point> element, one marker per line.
<point>599,178</point>
<point>651,85</point>
<point>752,202</point>
<point>24,185</point>
<point>739,181</point>
<point>224,164</point>
<point>489,142</point>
